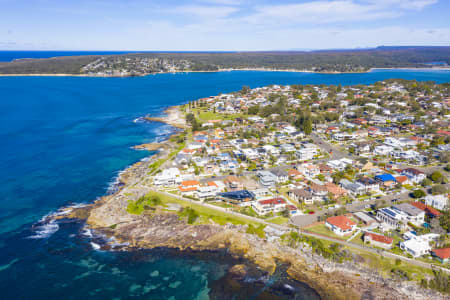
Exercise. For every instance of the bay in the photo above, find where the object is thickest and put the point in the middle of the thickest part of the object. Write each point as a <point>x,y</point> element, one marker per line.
<point>64,139</point>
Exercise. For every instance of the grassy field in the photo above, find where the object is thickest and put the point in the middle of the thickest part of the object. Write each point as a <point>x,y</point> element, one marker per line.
<point>206,214</point>
<point>205,115</point>
<point>278,220</point>
<point>385,265</point>
<point>322,229</point>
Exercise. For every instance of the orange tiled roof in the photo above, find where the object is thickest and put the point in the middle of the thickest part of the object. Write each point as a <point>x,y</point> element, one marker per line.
<point>190,183</point>
<point>187,189</point>
<point>379,238</point>
<point>442,253</point>
<point>426,208</point>
<point>342,222</point>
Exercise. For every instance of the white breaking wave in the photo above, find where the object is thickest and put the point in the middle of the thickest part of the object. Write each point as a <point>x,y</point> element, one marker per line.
<point>114,184</point>
<point>139,120</point>
<point>47,225</point>
<point>45,229</point>
<point>87,232</point>
<point>95,246</point>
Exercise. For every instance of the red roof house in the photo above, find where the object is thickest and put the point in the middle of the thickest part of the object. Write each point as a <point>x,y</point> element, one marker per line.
<point>443,254</point>
<point>378,240</point>
<point>341,225</point>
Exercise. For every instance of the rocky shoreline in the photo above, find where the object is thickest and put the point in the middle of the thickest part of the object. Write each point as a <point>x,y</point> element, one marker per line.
<point>162,228</point>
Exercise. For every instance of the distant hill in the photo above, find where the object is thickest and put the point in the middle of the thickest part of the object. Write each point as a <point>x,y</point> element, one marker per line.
<point>354,60</point>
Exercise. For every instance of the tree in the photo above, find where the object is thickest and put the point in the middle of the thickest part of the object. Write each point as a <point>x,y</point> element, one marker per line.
<point>426,182</point>
<point>444,220</point>
<point>245,89</point>
<point>439,189</point>
<point>436,176</point>
<point>419,193</point>
<point>286,213</point>
<point>307,126</point>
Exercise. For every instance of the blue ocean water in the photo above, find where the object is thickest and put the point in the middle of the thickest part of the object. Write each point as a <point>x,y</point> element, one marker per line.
<point>63,140</point>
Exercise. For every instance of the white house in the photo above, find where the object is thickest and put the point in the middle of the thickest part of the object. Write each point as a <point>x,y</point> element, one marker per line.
<point>383,150</point>
<point>437,201</point>
<point>167,177</point>
<point>418,245</point>
<point>263,207</point>
<point>414,175</point>
<point>340,225</point>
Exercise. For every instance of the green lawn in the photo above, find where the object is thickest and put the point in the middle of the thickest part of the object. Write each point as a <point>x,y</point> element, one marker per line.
<point>322,229</point>
<point>384,265</point>
<point>278,220</point>
<point>206,214</point>
<point>204,116</point>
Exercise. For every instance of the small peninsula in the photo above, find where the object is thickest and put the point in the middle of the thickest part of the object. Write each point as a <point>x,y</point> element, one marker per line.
<point>141,64</point>
<point>299,178</point>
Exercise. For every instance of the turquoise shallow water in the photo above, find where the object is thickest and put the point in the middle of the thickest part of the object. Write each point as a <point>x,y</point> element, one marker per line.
<point>63,140</point>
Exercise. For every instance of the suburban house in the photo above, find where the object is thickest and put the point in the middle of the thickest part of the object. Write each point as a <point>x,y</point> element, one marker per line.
<point>335,190</point>
<point>241,198</point>
<point>378,240</point>
<point>442,254</point>
<point>263,207</point>
<point>413,214</point>
<point>354,188</point>
<point>418,245</point>
<point>340,225</point>
<point>437,201</point>
<point>282,175</point>
<point>365,218</point>
<point>301,195</point>
<point>266,178</point>
<point>318,191</point>
<point>167,177</point>
<point>369,184</point>
<point>398,216</point>
<point>414,175</point>
<point>386,179</point>
<point>430,211</point>
<point>233,183</point>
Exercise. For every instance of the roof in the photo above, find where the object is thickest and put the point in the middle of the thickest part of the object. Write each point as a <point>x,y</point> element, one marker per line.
<point>238,195</point>
<point>334,189</point>
<point>318,188</point>
<point>232,178</point>
<point>187,189</point>
<point>302,193</point>
<point>428,209</point>
<point>408,208</point>
<point>442,252</point>
<point>273,201</point>
<point>190,182</point>
<point>412,171</point>
<point>385,177</point>
<point>342,222</point>
<point>364,217</point>
<point>401,179</point>
<point>293,172</point>
<point>379,238</point>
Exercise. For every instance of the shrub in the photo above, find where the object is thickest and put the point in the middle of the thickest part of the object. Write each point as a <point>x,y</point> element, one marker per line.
<point>191,214</point>
<point>419,193</point>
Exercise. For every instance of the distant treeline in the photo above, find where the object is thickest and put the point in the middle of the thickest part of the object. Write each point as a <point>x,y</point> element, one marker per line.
<point>319,61</point>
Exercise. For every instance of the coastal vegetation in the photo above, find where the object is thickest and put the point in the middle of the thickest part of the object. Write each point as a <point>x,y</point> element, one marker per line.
<point>137,64</point>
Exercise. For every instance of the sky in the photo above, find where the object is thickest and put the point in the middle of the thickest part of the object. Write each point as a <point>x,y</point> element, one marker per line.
<point>221,25</point>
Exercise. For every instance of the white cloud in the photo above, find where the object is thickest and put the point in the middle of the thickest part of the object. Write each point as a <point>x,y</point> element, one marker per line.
<point>203,11</point>
<point>342,11</point>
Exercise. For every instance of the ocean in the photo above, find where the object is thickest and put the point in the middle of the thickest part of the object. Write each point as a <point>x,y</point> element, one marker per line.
<point>64,140</point>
